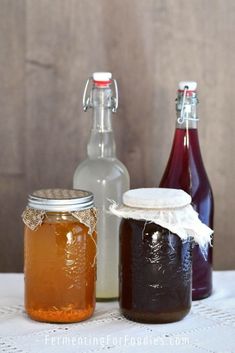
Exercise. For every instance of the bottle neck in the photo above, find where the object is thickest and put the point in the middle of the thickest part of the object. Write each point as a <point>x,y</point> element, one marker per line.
<point>101,143</point>
<point>186,141</point>
<point>186,110</point>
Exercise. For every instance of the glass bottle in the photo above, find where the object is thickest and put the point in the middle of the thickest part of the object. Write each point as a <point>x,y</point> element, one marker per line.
<point>185,170</point>
<point>104,175</point>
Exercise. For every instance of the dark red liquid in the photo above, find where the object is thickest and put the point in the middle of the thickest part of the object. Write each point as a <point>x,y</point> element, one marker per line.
<point>155,273</point>
<point>185,170</point>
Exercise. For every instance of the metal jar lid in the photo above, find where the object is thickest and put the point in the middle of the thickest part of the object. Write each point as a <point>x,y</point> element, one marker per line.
<point>61,200</point>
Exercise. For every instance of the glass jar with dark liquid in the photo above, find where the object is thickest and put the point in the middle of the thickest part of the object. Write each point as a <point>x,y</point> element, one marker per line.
<point>155,267</point>
<point>155,273</point>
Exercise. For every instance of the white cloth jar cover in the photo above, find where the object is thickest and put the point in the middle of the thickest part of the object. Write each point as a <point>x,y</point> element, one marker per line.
<point>169,208</point>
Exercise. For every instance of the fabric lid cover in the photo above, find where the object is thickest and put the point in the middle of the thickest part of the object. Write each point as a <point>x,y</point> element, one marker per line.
<point>169,208</point>
<point>159,198</point>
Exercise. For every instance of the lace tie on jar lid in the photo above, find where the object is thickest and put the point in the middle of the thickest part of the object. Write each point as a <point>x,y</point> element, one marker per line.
<point>79,203</point>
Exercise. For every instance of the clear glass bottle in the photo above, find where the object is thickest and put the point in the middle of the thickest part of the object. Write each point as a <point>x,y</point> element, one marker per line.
<point>185,170</point>
<point>104,175</point>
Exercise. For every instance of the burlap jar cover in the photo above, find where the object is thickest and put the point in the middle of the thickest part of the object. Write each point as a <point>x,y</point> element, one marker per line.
<point>33,217</point>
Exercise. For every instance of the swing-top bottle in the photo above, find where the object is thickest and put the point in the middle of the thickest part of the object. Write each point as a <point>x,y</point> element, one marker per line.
<point>104,175</point>
<point>185,170</point>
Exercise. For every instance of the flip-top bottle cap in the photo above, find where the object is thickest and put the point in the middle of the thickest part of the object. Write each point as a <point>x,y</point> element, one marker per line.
<point>102,76</point>
<point>192,85</point>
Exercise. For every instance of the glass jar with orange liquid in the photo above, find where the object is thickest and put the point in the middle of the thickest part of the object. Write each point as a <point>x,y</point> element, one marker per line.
<point>60,255</point>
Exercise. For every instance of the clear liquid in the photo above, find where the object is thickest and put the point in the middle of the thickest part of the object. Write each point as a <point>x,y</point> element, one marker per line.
<point>108,179</point>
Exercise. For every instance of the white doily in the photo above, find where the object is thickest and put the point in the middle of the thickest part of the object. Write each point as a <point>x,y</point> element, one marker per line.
<point>209,327</point>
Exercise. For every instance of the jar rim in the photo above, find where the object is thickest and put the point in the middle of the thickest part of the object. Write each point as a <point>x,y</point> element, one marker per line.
<point>61,200</point>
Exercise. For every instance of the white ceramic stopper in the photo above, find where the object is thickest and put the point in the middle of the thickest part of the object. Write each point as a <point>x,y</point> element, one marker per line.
<point>192,85</point>
<point>102,76</point>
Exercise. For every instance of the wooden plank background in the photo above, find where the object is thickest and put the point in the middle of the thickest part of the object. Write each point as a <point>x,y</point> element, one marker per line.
<point>47,50</point>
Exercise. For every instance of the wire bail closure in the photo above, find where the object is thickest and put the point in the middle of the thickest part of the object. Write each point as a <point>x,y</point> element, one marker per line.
<point>86,101</point>
<point>182,117</point>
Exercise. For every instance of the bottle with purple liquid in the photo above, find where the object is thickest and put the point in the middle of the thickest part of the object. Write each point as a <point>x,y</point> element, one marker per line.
<point>185,170</point>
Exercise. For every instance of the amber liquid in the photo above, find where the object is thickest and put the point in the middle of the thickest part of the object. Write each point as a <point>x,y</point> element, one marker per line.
<point>154,274</point>
<point>60,272</point>
<point>185,170</point>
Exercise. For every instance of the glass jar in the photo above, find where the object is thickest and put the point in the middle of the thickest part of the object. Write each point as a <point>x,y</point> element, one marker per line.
<point>155,273</point>
<point>60,255</point>
<point>155,267</point>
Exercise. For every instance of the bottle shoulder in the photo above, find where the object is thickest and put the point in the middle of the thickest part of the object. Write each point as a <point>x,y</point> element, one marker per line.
<point>187,177</point>
<point>185,157</point>
<point>185,168</point>
<point>101,168</point>
<point>122,167</point>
